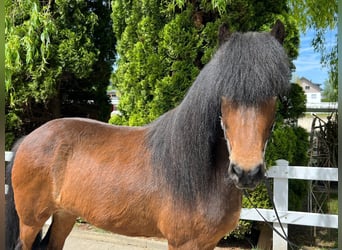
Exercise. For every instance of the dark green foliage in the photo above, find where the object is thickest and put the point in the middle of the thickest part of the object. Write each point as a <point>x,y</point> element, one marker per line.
<point>59,57</point>
<point>298,192</point>
<point>162,46</point>
<point>282,144</point>
<point>301,157</point>
<point>293,106</point>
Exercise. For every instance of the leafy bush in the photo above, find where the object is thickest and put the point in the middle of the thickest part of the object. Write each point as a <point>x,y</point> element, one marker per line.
<point>282,144</point>
<point>13,123</point>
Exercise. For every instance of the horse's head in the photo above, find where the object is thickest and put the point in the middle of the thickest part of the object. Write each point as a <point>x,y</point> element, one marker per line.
<point>247,129</point>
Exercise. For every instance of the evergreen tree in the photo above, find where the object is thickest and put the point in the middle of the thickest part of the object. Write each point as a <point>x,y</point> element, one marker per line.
<point>163,45</point>
<point>59,57</point>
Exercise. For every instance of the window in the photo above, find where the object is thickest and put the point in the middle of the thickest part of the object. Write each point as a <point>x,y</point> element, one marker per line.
<point>307,87</point>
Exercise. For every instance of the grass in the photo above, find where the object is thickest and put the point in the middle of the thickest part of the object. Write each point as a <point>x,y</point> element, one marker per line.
<point>320,115</point>
<point>309,238</point>
<point>332,204</point>
<point>326,238</point>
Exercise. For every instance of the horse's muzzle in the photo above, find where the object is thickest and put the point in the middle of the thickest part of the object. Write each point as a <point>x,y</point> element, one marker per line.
<point>246,179</point>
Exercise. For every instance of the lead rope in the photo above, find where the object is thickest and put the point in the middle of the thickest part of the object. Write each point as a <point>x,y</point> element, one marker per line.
<point>284,235</point>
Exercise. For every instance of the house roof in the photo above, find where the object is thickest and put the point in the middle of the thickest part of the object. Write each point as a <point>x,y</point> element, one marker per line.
<point>313,87</point>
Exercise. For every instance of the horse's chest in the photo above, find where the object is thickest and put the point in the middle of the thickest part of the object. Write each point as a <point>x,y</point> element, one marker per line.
<point>210,220</point>
<point>224,212</point>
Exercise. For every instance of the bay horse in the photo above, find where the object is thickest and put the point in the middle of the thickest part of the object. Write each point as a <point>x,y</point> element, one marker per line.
<point>180,177</point>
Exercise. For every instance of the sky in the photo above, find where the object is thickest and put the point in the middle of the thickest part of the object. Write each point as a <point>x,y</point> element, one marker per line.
<point>308,61</point>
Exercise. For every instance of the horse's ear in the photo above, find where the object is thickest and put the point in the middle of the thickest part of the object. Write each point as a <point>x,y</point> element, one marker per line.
<point>224,33</point>
<point>278,31</point>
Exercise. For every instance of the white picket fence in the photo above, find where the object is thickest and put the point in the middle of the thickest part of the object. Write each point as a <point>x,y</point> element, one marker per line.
<point>8,157</point>
<point>281,173</point>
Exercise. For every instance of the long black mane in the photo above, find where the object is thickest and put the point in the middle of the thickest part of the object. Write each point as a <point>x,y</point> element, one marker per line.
<point>248,68</point>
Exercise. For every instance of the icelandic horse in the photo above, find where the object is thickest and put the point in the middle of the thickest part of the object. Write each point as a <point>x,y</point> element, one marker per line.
<point>179,178</point>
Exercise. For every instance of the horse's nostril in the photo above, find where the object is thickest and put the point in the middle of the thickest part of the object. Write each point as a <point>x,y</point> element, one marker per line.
<point>255,171</point>
<point>258,170</point>
<point>237,170</point>
<point>246,179</point>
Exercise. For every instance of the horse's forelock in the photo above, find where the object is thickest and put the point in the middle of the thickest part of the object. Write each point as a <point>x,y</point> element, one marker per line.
<point>254,67</point>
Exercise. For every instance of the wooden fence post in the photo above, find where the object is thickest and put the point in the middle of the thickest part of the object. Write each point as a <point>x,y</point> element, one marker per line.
<point>280,198</point>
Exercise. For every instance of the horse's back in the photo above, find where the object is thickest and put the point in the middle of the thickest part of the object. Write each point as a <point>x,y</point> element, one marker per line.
<point>75,136</point>
<point>81,144</point>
